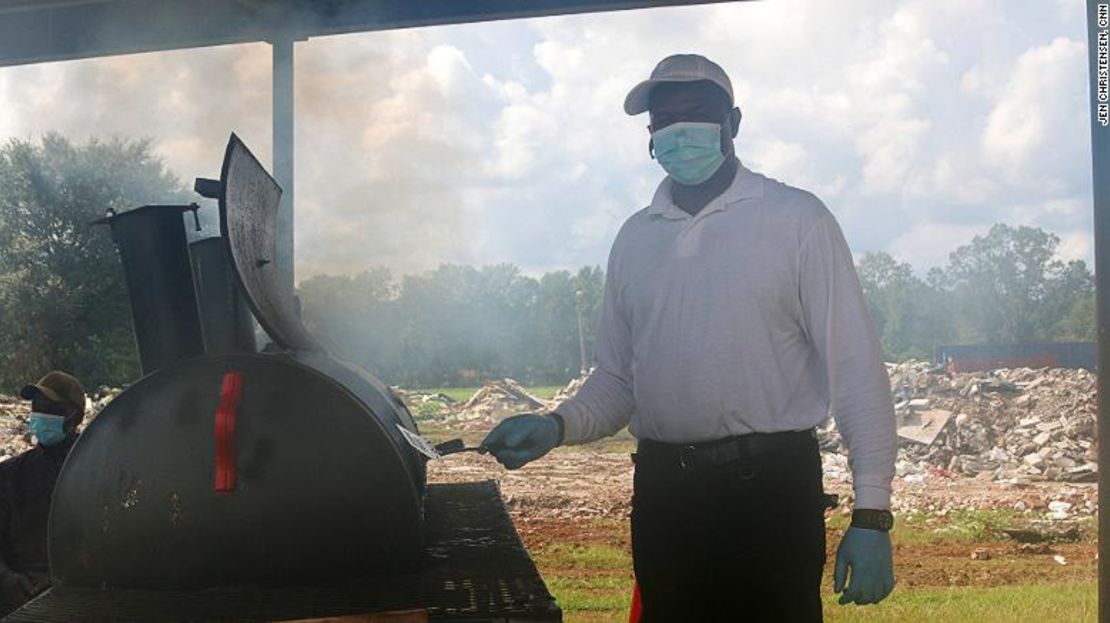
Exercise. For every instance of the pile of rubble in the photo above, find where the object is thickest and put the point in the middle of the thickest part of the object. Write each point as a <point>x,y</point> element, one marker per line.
<point>572,388</point>
<point>98,399</point>
<point>491,403</point>
<point>14,438</point>
<point>498,399</point>
<point>1016,425</point>
<point>426,404</point>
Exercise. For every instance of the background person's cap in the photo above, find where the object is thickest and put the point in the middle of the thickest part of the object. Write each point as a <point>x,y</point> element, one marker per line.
<point>677,68</point>
<point>59,387</point>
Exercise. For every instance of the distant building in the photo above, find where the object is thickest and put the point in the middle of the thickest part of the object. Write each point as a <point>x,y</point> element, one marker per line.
<point>974,357</point>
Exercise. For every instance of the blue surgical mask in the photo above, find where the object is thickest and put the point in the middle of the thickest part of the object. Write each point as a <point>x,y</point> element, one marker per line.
<point>689,151</point>
<point>48,429</point>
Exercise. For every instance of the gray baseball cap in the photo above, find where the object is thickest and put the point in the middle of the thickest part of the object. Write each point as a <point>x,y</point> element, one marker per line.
<point>677,68</point>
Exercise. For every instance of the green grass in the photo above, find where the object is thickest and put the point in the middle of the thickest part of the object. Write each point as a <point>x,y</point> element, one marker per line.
<point>606,598</point>
<point>547,392</point>
<point>595,558</point>
<point>596,595</point>
<point>1055,603</point>
<point>963,526</point>
<point>969,526</point>
<point>592,582</point>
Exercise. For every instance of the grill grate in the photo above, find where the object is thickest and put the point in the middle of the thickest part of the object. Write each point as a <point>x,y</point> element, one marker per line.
<point>476,570</point>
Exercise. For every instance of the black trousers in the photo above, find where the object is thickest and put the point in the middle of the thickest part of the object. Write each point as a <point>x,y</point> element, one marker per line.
<point>742,540</point>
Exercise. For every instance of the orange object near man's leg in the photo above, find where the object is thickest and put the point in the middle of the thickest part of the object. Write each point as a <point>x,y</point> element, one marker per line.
<point>634,612</point>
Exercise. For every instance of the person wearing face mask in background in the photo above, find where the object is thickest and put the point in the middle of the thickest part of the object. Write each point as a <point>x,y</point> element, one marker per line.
<point>732,324</point>
<point>27,482</point>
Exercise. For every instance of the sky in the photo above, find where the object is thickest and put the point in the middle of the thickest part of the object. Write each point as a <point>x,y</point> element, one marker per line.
<point>919,123</point>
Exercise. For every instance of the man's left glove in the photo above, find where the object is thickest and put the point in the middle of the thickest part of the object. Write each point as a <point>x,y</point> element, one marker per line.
<point>867,553</point>
<point>523,438</point>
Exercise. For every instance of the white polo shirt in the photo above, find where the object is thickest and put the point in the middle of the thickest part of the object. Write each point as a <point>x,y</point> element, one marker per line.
<point>747,317</point>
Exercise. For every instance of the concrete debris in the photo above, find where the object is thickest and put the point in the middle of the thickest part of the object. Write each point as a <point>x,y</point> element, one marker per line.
<point>503,395</point>
<point>437,397</point>
<point>98,399</point>
<point>1041,532</point>
<point>14,438</point>
<point>1036,549</point>
<point>1058,509</point>
<point>572,388</point>
<point>1010,425</point>
<point>422,404</point>
<point>980,553</point>
<point>924,426</point>
<point>491,403</point>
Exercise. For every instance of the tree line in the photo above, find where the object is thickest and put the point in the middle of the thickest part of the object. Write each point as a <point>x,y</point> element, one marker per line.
<point>457,325</point>
<point>63,303</point>
<point>1004,287</point>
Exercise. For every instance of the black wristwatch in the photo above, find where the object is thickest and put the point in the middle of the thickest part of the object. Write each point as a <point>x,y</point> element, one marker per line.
<point>872,519</point>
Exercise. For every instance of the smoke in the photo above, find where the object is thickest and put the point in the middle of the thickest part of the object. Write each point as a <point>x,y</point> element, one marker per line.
<point>384,153</point>
<point>375,166</point>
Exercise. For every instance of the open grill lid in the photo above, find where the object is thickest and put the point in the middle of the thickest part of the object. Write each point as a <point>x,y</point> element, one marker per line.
<point>250,231</point>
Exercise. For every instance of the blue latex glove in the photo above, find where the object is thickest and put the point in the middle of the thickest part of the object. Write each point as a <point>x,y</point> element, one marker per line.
<point>522,438</point>
<point>867,553</point>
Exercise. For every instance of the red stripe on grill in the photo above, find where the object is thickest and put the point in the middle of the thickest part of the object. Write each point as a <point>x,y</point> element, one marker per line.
<point>231,394</point>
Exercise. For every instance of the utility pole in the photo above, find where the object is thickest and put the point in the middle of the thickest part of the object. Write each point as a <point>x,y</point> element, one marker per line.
<point>578,297</point>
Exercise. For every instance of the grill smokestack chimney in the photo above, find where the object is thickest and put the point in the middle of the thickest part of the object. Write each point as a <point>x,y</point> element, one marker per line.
<point>158,273</point>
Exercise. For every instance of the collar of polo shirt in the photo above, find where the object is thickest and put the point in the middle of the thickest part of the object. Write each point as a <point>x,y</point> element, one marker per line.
<point>746,185</point>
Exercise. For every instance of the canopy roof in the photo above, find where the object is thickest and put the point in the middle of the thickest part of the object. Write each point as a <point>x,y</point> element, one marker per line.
<point>33,31</point>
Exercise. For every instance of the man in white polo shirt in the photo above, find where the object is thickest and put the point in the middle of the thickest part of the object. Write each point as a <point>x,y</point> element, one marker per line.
<point>732,324</point>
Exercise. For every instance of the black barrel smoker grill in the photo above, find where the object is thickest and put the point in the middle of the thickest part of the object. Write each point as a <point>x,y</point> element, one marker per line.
<point>228,484</point>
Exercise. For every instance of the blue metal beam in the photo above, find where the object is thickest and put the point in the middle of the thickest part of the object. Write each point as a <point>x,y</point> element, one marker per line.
<point>33,31</point>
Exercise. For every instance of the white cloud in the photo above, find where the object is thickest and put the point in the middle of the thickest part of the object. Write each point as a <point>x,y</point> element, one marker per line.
<point>779,158</point>
<point>522,132</point>
<point>890,149</point>
<point>1076,245</point>
<point>927,244</point>
<point>1034,112</point>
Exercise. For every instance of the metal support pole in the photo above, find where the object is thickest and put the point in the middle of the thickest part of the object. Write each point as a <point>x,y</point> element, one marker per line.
<point>283,154</point>
<point>1098,49</point>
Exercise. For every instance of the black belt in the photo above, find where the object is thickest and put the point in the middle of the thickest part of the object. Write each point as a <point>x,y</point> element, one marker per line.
<point>727,450</point>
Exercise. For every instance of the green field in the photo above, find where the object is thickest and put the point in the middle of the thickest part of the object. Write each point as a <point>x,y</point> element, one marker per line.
<point>592,583</point>
<point>592,580</point>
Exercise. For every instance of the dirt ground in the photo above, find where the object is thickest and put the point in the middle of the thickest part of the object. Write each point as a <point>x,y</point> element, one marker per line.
<point>918,565</point>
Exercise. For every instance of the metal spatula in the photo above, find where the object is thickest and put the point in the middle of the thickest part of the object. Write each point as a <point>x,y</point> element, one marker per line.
<point>436,451</point>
